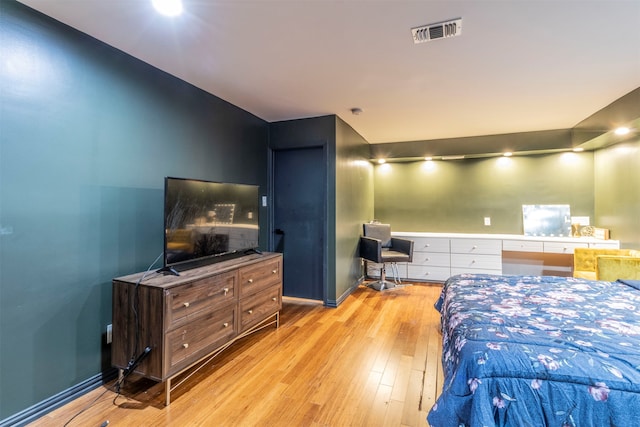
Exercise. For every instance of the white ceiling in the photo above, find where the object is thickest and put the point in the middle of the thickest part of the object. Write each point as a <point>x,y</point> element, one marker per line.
<point>519,65</point>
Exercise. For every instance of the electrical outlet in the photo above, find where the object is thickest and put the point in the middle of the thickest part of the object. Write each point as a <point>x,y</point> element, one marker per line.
<point>487,220</point>
<point>109,333</point>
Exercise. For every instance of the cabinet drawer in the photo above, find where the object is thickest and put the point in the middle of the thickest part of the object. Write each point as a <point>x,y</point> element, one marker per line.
<point>185,345</point>
<point>479,261</point>
<point>429,273</point>
<point>373,270</point>
<point>430,244</point>
<point>432,259</point>
<point>260,276</point>
<point>522,246</point>
<point>456,271</point>
<point>605,245</point>
<point>476,246</point>
<point>202,295</point>
<point>243,233</point>
<point>258,307</point>
<point>562,247</point>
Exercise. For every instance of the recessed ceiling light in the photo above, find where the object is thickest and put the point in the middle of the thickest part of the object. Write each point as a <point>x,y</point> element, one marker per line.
<point>622,131</point>
<point>578,149</point>
<point>382,161</point>
<point>428,159</point>
<point>168,7</point>
<point>508,154</point>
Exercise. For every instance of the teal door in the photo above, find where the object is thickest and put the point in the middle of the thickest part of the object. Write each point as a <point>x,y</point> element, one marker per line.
<point>300,220</point>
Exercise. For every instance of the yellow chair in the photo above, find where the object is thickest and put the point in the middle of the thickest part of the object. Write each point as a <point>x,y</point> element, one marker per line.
<point>586,262</point>
<point>180,240</point>
<point>611,268</point>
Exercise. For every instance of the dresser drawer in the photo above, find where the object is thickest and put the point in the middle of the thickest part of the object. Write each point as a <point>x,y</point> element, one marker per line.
<point>429,273</point>
<point>260,306</point>
<point>430,244</point>
<point>186,301</point>
<point>259,276</point>
<point>188,343</point>
<point>562,247</point>
<point>476,246</point>
<point>432,259</point>
<point>476,261</point>
<point>522,246</point>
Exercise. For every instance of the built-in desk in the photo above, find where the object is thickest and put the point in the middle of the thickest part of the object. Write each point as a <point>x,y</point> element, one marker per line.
<point>437,256</point>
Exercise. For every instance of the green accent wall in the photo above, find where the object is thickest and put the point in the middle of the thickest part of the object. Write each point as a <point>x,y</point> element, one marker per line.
<point>87,135</point>
<point>617,191</point>
<point>456,195</point>
<point>354,204</point>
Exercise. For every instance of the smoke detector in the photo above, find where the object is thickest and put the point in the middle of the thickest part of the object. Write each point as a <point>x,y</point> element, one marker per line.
<point>440,30</point>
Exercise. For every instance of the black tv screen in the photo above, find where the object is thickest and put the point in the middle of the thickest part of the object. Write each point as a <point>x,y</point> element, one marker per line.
<point>208,221</point>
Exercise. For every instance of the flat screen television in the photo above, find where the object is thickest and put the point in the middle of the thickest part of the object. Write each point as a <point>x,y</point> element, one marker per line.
<point>206,222</point>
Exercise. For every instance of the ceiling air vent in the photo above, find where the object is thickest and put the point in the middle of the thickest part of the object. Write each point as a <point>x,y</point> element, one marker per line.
<point>441,30</point>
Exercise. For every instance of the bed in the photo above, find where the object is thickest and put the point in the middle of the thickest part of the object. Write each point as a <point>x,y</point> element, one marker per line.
<point>538,351</point>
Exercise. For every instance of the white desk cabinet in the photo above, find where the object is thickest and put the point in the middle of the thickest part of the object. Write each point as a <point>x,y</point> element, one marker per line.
<point>437,256</point>
<point>431,259</point>
<point>476,256</point>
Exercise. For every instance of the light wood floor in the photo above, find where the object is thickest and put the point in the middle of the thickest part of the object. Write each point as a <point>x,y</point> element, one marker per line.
<point>373,361</point>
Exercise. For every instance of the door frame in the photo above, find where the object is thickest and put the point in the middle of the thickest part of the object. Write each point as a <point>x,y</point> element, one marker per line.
<point>325,223</point>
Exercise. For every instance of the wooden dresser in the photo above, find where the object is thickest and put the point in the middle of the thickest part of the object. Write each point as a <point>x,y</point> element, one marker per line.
<point>188,318</point>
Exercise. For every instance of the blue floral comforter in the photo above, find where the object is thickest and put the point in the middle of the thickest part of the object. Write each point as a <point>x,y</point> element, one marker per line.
<point>538,351</point>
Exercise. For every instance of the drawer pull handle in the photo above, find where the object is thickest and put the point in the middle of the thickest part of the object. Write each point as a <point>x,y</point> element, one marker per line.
<point>274,271</point>
<point>225,324</point>
<point>226,290</point>
<point>473,261</point>
<point>186,304</point>
<point>185,345</point>
<point>474,247</point>
<point>274,299</point>
<point>250,280</point>
<point>250,311</point>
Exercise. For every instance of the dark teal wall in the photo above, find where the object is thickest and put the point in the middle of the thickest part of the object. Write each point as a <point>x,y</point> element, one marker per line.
<point>87,135</point>
<point>315,132</point>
